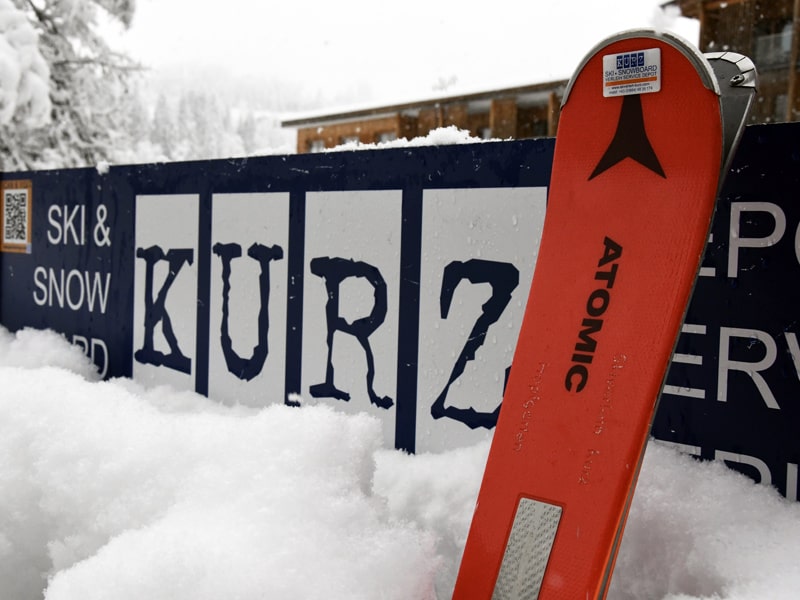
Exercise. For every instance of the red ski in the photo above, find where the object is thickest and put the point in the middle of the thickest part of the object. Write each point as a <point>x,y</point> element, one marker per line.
<point>646,127</point>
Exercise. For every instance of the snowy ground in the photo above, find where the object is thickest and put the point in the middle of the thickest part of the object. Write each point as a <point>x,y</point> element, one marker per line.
<point>110,491</point>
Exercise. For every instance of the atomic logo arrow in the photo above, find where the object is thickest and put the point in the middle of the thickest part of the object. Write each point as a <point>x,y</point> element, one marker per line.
<point>630,140</point>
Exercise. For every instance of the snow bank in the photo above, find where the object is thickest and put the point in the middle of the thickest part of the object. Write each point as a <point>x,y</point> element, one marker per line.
<point>109,490</point>
<point>442,136</point>
<point>31,348</point>
<point>698,530</point>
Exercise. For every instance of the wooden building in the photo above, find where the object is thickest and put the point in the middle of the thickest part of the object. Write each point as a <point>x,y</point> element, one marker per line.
<point>519,112</point>
<point>766,31</point>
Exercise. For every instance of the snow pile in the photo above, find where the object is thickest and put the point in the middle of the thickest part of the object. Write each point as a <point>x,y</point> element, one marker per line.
<point>437,492</point>
<point>442,136</point>
<point>109,490</point>
<point>698,530</point>
<point>31,349</point>
<point>24,74</point>
<point>114,492</point>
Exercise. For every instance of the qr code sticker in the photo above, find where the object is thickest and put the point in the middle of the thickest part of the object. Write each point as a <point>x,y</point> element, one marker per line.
<point>16,216</point>
<point>15,221</point>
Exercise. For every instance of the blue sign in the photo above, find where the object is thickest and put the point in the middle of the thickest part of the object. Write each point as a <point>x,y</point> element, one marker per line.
<point>390,281</point>
<point>393,282</point>
<point>733,392</point>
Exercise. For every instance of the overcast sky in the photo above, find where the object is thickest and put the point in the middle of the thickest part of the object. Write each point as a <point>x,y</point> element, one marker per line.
<point>398,49</point>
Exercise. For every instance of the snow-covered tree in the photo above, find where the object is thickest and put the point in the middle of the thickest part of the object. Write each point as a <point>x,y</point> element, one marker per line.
<point>247,132</point>
<point>67,99</point>
<point>24,83</point>
<point>202,129</point>
<point>163,133</point>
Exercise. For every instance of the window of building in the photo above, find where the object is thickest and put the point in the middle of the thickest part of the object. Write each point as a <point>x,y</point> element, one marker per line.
<point>781,106</point>
<point>349,139</point>
<point>387,136</point>
<point>772,43</point>
<point>316,145</point>
<point>539,128</point>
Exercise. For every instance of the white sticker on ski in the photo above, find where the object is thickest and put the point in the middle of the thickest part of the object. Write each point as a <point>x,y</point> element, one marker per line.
<point>636,72</point>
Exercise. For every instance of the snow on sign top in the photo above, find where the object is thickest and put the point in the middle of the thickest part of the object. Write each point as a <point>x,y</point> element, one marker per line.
<point>637,72</point>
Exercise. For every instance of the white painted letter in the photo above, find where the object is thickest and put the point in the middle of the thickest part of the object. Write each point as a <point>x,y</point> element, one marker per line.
<point>735,242</point>
<point>744,459</point>
<point>753,369</point>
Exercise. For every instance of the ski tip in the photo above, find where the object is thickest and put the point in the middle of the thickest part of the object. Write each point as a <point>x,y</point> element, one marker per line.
<point>738,80</point>
<point>738,70</point>
<point>689,50</point>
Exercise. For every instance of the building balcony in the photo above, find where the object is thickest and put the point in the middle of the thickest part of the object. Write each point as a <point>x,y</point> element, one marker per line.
<point>773,51</point>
